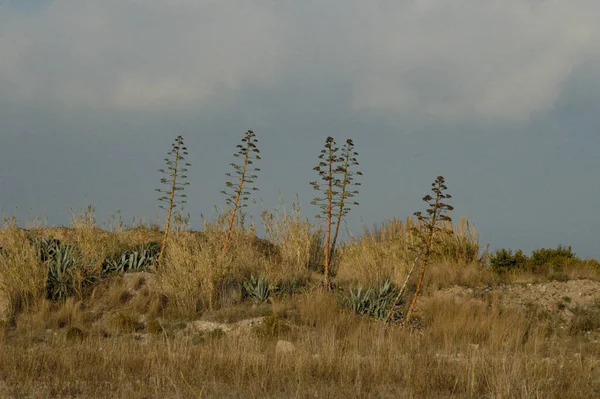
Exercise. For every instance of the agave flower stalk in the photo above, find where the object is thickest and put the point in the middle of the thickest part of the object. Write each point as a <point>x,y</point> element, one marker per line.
<point>429,226</point>
<point>345,183</point>
<point>336,183</point>
<point>176,182</point>
<point>243,175</point>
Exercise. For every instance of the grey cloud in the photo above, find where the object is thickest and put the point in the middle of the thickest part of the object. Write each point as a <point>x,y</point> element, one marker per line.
<point>139,54</point>
<point>450,60</point>
<point>427,59</point>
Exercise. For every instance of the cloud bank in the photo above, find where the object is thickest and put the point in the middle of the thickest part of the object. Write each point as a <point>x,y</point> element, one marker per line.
<point>427,59</point>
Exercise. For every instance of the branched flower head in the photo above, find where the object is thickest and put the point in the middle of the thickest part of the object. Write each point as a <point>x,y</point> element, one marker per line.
<point>242,174</point>
<point>436,216</point>
<point>175,178</point>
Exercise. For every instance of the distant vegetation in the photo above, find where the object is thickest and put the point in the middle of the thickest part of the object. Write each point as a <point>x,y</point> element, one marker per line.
<point>554,263</point>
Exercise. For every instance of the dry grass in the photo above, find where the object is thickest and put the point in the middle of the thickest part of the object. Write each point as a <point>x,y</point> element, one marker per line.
<point>299,244</point>
<point>462,349</point>
<point>131,336</point>
<point>385,252</point>
<point>22,276</point>
<point>198,276</point>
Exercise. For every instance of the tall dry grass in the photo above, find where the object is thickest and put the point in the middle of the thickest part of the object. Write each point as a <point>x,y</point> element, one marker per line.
<point>22,276</point>
<point>299,243</point>
<point>197,275</point>
<point>387,252</point>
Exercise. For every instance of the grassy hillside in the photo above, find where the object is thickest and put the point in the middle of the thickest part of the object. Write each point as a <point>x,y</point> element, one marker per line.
<point>255,321</point>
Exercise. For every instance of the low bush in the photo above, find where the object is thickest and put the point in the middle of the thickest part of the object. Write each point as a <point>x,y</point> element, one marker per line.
<point>551,259</point>
<point>559,263</point>
<point>503,260</point>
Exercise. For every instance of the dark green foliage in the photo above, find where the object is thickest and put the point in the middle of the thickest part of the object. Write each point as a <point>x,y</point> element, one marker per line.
<point>372,302</point>
<point>551,259</point>
<point>142,258</point>
<point>258,289</point>
<point>503,260</point>
<point>541,260</point>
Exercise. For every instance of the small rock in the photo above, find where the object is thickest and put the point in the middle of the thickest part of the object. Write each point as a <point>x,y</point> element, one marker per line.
<point>248,323</point>
<point>202,326</point>
<point>284,347</point>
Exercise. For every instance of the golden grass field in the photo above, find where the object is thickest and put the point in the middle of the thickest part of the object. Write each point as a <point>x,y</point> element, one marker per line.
<point>186,332</point>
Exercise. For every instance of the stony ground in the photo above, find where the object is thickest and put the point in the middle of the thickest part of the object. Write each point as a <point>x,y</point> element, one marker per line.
<point>562,298</point>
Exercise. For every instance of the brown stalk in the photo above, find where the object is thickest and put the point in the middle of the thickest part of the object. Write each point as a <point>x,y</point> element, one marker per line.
<point>401,293</point>
<point>241,177</point>
<point>436,214</point>
<point>169,211</point>
<point>328,237</point>
<point>238,195</point>
<point>175,173</point>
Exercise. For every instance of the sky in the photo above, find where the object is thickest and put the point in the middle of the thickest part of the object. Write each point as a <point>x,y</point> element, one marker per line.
<point>501,97</point>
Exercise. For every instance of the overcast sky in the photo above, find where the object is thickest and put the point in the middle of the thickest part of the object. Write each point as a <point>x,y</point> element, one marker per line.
<point>502,97</point>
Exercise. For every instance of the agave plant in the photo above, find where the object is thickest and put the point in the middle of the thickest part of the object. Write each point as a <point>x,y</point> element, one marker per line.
<point>66,271</point>
<point>258,289</point>
<point>358,300</point>
<point>372,302</point>
<point>383,300</point>
<point>46,247</point>
<point>142,259</point>
<point>62,262</point>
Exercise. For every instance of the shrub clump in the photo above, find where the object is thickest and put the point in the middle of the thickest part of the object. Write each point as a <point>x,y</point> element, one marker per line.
<point>549,261</point>
<point>503,260</point>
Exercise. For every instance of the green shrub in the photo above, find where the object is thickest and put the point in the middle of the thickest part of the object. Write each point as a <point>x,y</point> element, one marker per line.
<point>551,259</point>
<point>551,262</point>
<point>503,260</point>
